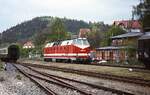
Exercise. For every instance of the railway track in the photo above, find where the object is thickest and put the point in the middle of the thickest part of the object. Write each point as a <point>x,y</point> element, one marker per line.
<point>46,89</point>
<point>64,82</point>
<point>56,82</point>
<point>94,74</point>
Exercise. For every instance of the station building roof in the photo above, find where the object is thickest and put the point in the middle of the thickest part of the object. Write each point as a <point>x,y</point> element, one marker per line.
<point>128,34</point>
<point>110,48</point>
<point>145,36</point>
<point>113,47</point>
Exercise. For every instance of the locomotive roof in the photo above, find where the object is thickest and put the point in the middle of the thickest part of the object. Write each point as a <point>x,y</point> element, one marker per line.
<point>49,44</point>
<point>66,42</point>
<point>61,43</point>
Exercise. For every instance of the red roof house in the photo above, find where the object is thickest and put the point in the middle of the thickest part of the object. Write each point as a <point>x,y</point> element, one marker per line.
<point>128,24</point>
<point>83,32</point>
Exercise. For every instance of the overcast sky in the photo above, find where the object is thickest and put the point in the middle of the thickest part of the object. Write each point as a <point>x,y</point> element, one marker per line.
<point>13,12</point>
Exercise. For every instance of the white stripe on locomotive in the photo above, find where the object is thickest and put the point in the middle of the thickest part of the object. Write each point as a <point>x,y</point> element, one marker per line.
<point>67,54</point>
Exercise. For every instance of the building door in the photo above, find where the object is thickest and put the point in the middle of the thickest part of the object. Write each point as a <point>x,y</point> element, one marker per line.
<point>103,55</point>
<point>111,55</point>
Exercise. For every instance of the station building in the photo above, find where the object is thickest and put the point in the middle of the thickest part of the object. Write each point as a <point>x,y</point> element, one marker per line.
<point>123,44</point>
<point>118,51</point>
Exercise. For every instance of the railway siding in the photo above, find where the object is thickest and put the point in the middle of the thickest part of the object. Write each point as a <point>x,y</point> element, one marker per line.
<point>92,91</point>
<point>127,87</point>
<point>125,72</point>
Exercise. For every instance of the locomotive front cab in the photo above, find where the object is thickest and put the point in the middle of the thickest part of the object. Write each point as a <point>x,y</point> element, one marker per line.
<point>81,43</point>
<point>82,50</point>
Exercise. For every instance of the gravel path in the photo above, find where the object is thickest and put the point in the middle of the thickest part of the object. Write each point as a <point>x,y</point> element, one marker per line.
<point>14,83</point>
<point>133,88</point>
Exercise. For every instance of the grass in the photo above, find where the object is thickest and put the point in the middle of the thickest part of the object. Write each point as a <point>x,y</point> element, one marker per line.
<point>108,70</point>
<point>134,63</point>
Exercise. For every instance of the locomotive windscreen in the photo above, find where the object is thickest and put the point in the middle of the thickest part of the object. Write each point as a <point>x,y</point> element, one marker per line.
<point>80,41</point>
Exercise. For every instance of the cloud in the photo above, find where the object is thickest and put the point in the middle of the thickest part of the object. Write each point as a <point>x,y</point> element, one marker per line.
<point>16,11</point>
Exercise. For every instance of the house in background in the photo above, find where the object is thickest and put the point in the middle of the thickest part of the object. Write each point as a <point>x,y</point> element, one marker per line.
<point>129,25</point>
<point>83,32</point>
<point>28,45</point>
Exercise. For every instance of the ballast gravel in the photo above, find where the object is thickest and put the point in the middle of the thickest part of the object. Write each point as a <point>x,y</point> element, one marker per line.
<point>57,89</point>
<point>14,83</point>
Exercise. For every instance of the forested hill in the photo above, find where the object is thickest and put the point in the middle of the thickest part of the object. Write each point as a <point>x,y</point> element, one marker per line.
<point>28,29</point>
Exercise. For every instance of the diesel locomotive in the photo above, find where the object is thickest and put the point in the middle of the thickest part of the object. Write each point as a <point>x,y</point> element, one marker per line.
<point>74,50</point>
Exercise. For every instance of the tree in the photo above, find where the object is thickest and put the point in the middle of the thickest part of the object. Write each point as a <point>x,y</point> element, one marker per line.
<point>113,31</point>
<point>53,32</point>
<point>95,36</point>
<point>58,30</point>
<point>142,10</point>
<point>97,33</point>
<point>40,38</point>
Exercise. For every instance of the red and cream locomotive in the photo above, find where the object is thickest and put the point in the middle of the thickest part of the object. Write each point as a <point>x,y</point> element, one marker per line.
<point>69,50</point>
